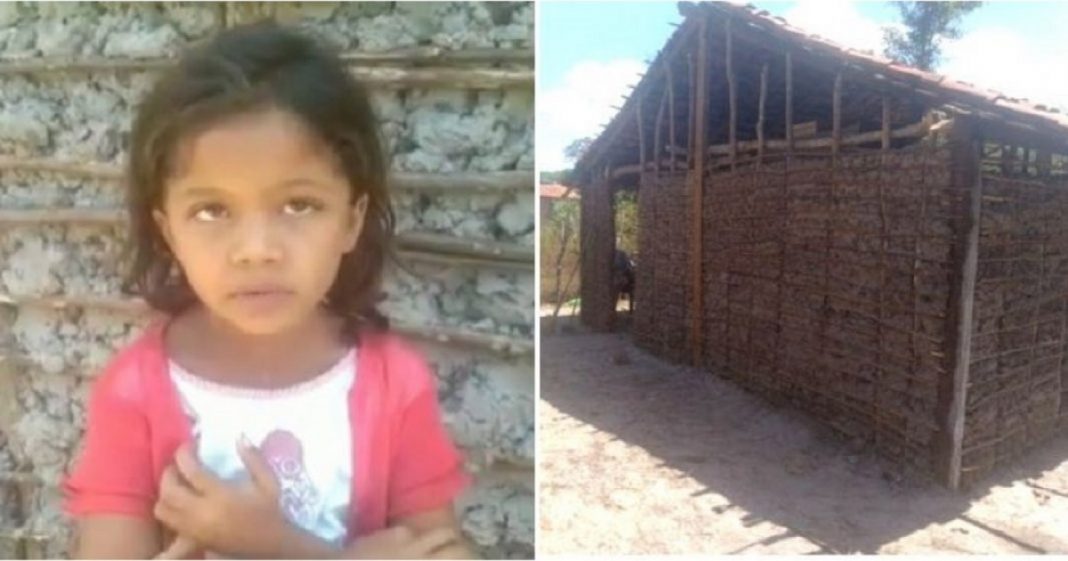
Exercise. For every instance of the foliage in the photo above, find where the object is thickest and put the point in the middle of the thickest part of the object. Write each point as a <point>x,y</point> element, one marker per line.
<point>577,148</point>
<point>926,25</point>
<point>558,176</point>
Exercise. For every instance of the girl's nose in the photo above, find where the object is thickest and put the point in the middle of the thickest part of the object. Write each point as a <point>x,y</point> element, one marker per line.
<point>256,241</point>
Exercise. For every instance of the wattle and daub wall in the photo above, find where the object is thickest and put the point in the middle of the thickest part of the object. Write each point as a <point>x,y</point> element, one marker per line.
<point>453,89</point>
<point>831,286</point>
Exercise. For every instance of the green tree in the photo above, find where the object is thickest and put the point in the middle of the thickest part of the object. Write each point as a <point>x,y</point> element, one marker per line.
<point>926,25</point>
<point>577,148</point>
<point>557,176</point>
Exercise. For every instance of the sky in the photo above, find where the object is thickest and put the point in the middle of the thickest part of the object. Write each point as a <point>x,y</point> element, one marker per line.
<point>589,53</point>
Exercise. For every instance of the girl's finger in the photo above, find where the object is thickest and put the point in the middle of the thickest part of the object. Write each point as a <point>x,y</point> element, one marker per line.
<point>200,479</point>
<point>181,548</point>
<point>433,540</point>
<point>174,491</point>
<point>261,472</point>
<point>167,515</point>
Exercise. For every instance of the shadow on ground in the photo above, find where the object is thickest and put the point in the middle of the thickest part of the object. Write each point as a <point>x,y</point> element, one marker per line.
<point>758,463</point>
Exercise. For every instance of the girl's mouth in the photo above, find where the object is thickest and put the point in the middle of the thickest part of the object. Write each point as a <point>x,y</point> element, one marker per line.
<point>262,300</point>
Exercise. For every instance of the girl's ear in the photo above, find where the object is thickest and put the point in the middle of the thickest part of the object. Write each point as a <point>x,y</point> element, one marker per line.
<point>164,228</point>
<point>359,212</point>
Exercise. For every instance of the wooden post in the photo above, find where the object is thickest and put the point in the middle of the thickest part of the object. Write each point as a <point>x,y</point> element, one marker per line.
<point>732,96</point>
<point>691,110</point>
<point>760,115</point>
<point>789,105</point>
<point>837,117</point>
<point>697,188</point>
<point>641,132</point>
<point>1043,162</point>
<point>671,113</point>
<point>658,144</point>
<point>886,123</point>
<point>966,178</point>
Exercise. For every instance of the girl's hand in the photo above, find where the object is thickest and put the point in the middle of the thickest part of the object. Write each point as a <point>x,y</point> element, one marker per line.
<point>401,542</point>
<point>242,519</point>
<point>181,548</point>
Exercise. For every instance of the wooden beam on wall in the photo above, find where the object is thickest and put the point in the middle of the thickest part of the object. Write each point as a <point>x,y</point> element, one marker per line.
<point>641,131</point>
<point>671,111</point>
<point>885,137</point>
<point>697,192</point>
<point>836,124</point>
<point>760,116</point>
<point>732,96</point>
<point>692,87</point>
<point>658,136</point>
<point>789,103</point>
<point>967,179</point>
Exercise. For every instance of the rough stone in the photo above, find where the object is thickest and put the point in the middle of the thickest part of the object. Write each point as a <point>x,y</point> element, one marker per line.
<point>487,399</point>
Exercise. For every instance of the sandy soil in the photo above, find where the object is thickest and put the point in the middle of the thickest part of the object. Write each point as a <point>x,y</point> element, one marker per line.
<point>639,456</point>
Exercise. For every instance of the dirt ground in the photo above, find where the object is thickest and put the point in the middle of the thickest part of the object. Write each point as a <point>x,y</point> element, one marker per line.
<point>640,456</point>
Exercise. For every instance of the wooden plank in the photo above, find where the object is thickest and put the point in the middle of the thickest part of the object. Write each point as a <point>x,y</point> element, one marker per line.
<point>467,182</point>
<point>760,115</point>
<point>886,124</point>
<point>836,130</point>
<point>641,131</point>
<point>433,333</point>
<point>696,189</point>
<point>671,111</point>
<point>658,138</point>
<point>732,97</point>
<point>915,130</point>
<point>789,104</point>
<point>953,390</point>
<point>692,86</point>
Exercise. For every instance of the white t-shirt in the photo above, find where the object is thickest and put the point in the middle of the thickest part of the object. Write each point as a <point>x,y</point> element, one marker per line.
<point>302,430</point>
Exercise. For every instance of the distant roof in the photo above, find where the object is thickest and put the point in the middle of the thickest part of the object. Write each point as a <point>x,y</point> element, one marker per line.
<point>556,191</point>
<point>1022,115</point>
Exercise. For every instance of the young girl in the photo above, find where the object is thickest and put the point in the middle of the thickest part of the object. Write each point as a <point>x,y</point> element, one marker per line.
<point>269,412</point>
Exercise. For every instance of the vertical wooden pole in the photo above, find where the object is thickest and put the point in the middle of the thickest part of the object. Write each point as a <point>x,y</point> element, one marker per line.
<point>732,96</point>
<point>886,124</point>
<point>641,132</point>
<point>789,105</point>
<point>692,87</point>
<point>671,114</point>
<point>760,114</point>
<point>1043,162</point>
<point>836,139</point>
<point>658,137</point>
<point>697,188</point>
<point>967,179</point>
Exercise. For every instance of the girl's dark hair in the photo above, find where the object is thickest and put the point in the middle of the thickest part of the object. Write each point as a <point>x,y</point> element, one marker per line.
<point>247,69</point>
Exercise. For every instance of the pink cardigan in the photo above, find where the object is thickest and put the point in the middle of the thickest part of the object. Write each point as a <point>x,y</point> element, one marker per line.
<point>403,461</point>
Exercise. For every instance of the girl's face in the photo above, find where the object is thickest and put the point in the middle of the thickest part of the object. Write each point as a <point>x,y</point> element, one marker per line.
<point>258,215</point>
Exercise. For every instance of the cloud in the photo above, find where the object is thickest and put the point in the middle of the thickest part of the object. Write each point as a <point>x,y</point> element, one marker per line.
<point>839,21</point>
<point>580,105</point>
<point>1006,61</point>
<point>989,57</point>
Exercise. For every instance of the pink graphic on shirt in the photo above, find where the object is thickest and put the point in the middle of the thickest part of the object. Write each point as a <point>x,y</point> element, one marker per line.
<point>299,498</point>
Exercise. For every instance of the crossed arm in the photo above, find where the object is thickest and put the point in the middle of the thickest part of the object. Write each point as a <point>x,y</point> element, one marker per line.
<point>204,512</point>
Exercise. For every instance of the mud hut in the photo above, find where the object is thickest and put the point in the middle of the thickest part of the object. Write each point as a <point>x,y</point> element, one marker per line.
<point>880,246</point>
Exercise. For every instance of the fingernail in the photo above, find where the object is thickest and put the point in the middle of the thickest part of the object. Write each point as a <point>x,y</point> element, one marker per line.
<point>244,442</point>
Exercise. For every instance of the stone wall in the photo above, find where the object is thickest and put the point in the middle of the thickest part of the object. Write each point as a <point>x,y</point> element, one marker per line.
<point>452,84</point>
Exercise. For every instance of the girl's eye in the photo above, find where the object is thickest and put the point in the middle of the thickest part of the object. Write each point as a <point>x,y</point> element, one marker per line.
<point>209,212</point>
<point>299,207</point>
